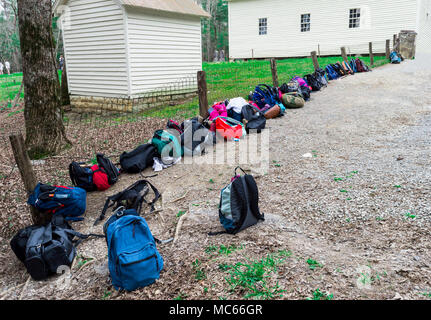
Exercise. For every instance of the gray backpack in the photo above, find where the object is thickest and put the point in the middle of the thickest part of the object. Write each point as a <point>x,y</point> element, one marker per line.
<point>239,204</point>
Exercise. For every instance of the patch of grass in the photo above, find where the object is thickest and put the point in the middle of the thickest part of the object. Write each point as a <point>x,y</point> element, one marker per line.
<point>180,296</point>
<point>408,215</point>
<point>82,261</point>
<point>199,271</point>
<point>106,294</point>
<point>253,278</point>
<point>181,213</point>
<point>318,295</point>
<point>313,264</point>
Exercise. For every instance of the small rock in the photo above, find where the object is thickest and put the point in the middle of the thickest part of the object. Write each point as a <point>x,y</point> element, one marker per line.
<point>397,297</point>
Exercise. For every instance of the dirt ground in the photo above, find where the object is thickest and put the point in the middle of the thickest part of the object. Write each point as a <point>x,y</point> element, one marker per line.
<point>347,184</point>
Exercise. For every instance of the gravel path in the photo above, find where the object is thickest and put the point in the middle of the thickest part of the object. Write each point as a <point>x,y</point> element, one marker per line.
<point>360,205</point>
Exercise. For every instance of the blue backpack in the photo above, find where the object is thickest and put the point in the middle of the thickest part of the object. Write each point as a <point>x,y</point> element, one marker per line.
<point>57,200</point>
<point>264,94</point>
<point>133,259</point>
<point>353,65</point>
<point>395,58</point>
<point>332,74</point>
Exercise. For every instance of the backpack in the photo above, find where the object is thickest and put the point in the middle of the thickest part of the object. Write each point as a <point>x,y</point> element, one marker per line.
<point>133,259</point>
<point>167,143</point>
<point>43,249</point>
<point>253,118</point>
<point>195,137</point>
<point>107,168</point>
<point>230,128</point>
<point>347,67</point>
<point>264,94</point>
<point>239,204</point>
<point>339,69</point>
<point>217,110</point>
<point>131,198</point>
<point>359,65</point>
<point>332,74</point>
<point>139,159</point>
<point>98,177</point>
<point>174,125</point>
<point>353,65</point>
<point>321,76</point>
<point>82,176</point>
<point>394,58</point>
<point>58,200</point>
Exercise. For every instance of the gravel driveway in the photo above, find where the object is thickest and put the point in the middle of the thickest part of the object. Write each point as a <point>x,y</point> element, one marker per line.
<point>360,206</point>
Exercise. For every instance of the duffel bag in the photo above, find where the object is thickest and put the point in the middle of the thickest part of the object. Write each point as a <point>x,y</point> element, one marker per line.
<point>44,249</point>
<point>230,128</point>
<point>292,102</point>
<point>58,200</point>
<point>139,159</point>
<point>273,112</point>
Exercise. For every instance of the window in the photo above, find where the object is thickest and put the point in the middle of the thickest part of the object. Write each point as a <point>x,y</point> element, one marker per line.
<point>355,18</point>
<point>263,26</point>
<point>305,22</point>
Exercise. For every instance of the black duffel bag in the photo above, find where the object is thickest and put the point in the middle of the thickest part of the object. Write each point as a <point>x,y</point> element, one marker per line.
<point>44,249</point>
<point>139,159</point>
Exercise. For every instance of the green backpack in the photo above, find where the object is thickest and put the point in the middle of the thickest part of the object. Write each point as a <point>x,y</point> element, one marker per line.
<point>167,143</point>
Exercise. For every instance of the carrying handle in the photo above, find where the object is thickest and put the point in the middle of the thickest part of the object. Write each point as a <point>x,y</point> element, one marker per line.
<point>240,169</point>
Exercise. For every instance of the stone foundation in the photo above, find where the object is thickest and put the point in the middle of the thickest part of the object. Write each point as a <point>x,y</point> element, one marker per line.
<point>88,104</point>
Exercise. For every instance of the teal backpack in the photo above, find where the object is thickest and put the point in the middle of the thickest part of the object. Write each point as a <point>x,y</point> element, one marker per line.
<point>167,143</point>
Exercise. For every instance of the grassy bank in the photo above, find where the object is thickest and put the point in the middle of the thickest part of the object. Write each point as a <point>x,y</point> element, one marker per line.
<point>224,80</point>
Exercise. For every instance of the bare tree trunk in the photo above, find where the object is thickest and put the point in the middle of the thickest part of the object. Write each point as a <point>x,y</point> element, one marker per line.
<point>65,98</point>
<point>45,133</point>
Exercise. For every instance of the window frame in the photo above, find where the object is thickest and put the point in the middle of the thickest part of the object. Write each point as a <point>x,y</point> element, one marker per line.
<point>263,26</point>
<point>355,18</point>
<point>306,22</point>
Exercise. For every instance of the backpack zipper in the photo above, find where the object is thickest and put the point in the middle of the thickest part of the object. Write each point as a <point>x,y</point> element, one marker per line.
<point>142,260</point>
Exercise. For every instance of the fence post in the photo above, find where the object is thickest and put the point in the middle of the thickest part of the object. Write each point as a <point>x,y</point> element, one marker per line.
<point>395,40</point>
<point>315,61</point>
<point>344,54</point>
<point>26,170</point>
<point>274,72</point>
<point>203,92</point>
<point>388,48</point>
<point>371,54</point>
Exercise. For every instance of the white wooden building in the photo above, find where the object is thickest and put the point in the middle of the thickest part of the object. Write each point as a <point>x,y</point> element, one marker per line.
<point>293,28</point>
<point>126,48</point>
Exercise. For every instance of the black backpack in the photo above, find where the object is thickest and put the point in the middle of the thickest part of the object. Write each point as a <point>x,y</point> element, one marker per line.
<point>131,198</point>
<point>82,176</point>
<point>194,138</point>
<point>313,81</point>
<point>239,204</point>
<point>43,249</point>
<point>109,168</point>
<point>253,118</point>
<point>139,159</point>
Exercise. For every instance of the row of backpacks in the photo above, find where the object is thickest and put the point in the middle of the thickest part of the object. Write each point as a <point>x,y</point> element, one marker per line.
<point>133,258</point>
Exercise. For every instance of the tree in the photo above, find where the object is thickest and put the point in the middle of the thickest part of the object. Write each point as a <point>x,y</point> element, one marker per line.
<point>214,29</point>
<point>9,35</point>
<point>45,132</point>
